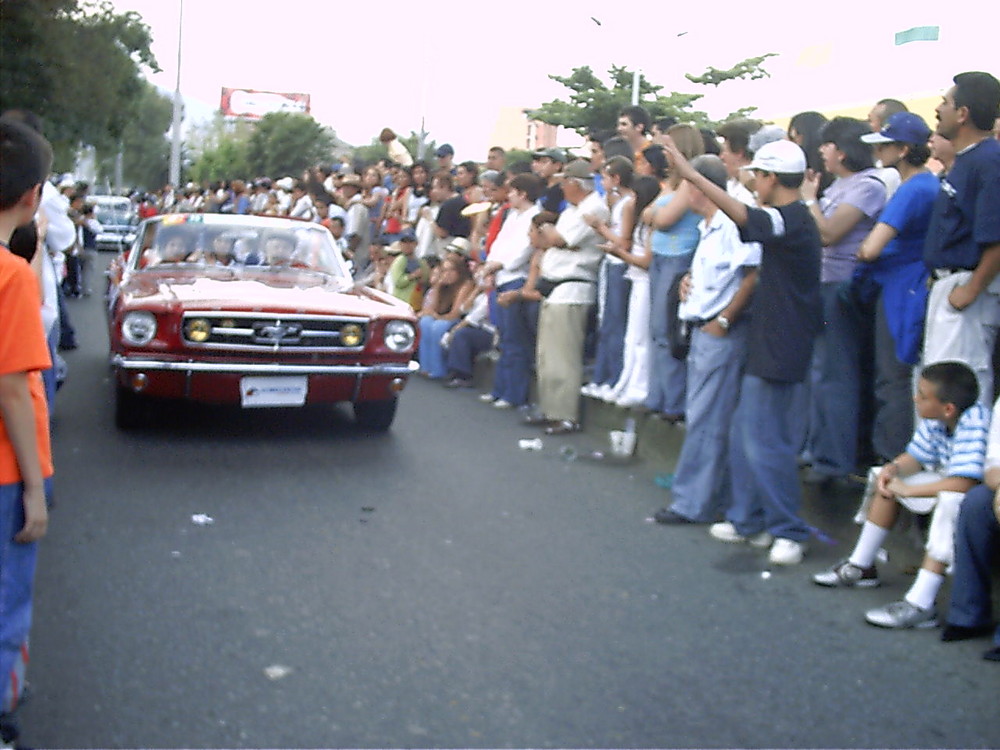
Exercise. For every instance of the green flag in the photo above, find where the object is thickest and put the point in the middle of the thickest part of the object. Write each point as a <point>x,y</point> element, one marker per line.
<point>918,34</point>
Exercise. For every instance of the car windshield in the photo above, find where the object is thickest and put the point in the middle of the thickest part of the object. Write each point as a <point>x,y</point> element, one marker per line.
<point>245,246</point>
<point>115,212</point>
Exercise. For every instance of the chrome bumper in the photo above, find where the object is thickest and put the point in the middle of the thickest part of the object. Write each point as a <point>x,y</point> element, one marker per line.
<point>264,368</point>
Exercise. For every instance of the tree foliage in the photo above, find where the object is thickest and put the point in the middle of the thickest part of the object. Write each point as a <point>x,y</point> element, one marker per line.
<point>77,65</point>
<point>145,145</point>
<point>286,143</point>
<point>749,69</point>
<point>594,105</point>
<point>221,150</point>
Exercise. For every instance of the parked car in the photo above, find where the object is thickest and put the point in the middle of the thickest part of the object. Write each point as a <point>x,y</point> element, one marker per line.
<point>119,221</point>
<point>251,310</point>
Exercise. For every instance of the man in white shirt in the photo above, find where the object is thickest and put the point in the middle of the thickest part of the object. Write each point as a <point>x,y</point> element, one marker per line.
<point>569,267</point>
<point>509,260</point>
<point>714,295</point>
<point>735,136</point>
<point>357,226</point>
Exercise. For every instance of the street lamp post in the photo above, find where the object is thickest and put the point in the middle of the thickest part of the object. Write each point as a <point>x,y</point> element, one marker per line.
<point>175,141</point>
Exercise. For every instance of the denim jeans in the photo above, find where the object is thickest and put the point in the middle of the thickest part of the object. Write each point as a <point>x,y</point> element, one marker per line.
<point>431,353</point>
<point>512,376</point>
<point>667,375</point>
<point>466,344</point>
<point>766,490</point>
<point>701,488</point>
<point>835,389</point>
<point>977,538</point>
<point>611,333</point>
<point>17,574</point>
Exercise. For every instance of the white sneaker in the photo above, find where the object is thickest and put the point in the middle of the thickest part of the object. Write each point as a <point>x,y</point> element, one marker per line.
<point>726,532</point>
<point>786,552</point>
<point>501,404</point>
<point>589,390</point>
<point>487,398</point>
<point>606,393</point>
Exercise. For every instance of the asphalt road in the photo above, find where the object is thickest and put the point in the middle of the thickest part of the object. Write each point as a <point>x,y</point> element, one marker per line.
<point>436,587</point>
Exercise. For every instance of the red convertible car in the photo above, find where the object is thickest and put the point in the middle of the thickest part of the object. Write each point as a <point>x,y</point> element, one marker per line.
<point>256,311</point>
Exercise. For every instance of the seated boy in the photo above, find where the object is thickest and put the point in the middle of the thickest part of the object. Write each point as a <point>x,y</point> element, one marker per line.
<point>950,441</point>
<point>977,540</point>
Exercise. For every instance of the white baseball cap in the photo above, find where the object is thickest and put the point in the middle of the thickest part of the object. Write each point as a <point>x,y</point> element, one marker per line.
<point>780,157</point>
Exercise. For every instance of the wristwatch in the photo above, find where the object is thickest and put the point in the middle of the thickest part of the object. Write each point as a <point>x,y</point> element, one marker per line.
<point>723,322</point>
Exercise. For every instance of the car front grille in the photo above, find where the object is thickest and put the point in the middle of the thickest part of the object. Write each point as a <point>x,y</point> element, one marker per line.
<point>258,332</point>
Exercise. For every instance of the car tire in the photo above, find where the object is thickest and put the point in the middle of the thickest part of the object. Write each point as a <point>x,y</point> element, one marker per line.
<point>131,409</point>
<point>375,416</point>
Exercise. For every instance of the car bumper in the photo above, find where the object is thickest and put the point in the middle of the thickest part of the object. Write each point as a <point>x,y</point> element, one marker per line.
<point>219,382</point>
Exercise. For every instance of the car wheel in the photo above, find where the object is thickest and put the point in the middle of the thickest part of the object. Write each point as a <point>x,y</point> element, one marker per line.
<point>375,416</point>
<point>131,409</point>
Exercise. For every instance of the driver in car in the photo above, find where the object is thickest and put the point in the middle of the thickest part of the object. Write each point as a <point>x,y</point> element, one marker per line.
<point>278,250</point>
<point>175,249</point>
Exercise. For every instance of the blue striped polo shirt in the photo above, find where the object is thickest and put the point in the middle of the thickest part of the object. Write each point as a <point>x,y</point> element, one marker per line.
<point>959,454</point>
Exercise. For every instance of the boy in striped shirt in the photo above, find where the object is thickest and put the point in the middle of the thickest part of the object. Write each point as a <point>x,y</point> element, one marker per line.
<point>942,462</point>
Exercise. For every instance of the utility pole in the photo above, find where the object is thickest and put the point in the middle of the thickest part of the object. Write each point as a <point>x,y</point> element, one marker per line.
<point>175,141</point>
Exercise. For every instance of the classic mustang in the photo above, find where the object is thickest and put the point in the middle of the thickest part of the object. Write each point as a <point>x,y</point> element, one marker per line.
<point>250,310</point>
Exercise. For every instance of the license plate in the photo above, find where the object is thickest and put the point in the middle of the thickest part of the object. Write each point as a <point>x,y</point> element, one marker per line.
<point>256,391</point>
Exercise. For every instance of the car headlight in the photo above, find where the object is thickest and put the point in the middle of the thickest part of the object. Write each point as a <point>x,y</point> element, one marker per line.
<point>399,335</point>
<point>197,330</point>
<point>351,334</point>
<point>138,328</point>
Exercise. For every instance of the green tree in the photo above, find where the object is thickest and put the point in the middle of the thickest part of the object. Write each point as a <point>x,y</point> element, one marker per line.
<point>594,105</point>
<point>145,146</point>
<point>77,65</point>
<point>221,151</point>
<point>285,143</point>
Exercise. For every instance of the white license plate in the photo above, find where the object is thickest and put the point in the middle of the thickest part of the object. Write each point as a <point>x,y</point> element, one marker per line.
<point>257,391</point>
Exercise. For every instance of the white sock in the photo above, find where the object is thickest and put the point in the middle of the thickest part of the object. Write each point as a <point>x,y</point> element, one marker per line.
<point>924,590</point>
<point>869,541</point>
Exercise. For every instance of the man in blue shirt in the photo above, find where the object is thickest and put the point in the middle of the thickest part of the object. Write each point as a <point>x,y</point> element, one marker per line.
<point>963,242</point>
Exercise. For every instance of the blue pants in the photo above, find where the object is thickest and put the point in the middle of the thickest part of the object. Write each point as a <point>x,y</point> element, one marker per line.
<point>17,575</point>
<point>766,490</point>
<point>701,488</point>
<point>431,353</point>
<point>977,537</point>
<point>835,382</point>
<point>466,344</point>
<point>667,376</point>
<point>611,333</point>
<point>512,376</point>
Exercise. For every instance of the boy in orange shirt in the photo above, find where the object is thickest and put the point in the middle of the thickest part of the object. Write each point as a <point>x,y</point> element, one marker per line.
<point>25,456</point>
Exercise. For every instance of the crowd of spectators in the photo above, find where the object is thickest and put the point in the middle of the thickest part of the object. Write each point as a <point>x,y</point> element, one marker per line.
<point>804,303</point>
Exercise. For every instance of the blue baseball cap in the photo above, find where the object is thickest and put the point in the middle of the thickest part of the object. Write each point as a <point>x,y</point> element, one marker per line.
<point>902,127</point>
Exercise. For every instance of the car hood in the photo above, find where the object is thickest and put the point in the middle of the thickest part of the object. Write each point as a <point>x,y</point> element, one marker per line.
<point>291,292</point>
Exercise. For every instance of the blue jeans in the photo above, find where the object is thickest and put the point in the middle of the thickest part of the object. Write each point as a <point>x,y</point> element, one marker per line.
<point>611,334</point>
<point>835,382</point>
<point>512,376</point>
<point>466,344</point>
<point>667,375</point>
<point>766,490</point>
<point>17,574</point>
<point>977,537</point>
<point>431,354</point>
<point>701,487</point>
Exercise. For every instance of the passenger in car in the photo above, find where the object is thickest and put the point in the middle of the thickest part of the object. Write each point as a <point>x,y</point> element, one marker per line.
<point>175,248</point>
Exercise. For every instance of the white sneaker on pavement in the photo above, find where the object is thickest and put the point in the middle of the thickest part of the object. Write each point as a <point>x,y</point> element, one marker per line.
<point>786,552</point>
<point>726,532</point>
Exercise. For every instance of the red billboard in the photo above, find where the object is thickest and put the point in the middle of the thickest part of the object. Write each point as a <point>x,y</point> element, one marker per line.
<point>251,104</point>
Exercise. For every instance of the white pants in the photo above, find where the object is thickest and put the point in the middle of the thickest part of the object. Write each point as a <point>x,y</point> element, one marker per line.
<point>963,335</point>
<point>945,506</point>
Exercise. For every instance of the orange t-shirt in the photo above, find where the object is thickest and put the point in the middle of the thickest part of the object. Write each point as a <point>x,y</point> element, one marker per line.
<point>23,349</point>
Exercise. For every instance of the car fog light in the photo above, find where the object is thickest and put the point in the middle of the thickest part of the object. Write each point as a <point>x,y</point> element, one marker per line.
<point>198,330</point>
<point>397,384</point>
<point>139,381</point>
<point>351,335</point>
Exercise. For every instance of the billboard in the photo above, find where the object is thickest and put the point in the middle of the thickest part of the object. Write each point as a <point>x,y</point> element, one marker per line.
<point>251,104</point>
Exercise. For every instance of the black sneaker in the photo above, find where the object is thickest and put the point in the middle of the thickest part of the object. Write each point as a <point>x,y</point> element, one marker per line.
<point>952,633</point>
<point>670,518</point>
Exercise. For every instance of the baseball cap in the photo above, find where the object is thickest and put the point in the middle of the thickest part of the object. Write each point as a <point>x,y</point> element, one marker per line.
<point>459,245</point>
<point>764,135</point>
<point>902,127</point>
<point>780,157</point>
<point>580,169</point>
<point>443,150</point>
<point>556,154</point>
<point>285,183</point>
<point>407,235</point>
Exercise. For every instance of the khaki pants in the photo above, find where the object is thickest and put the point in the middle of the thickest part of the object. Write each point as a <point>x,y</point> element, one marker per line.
<point>561,332</point>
